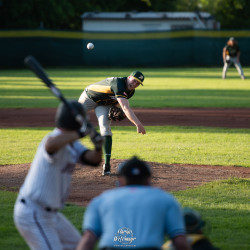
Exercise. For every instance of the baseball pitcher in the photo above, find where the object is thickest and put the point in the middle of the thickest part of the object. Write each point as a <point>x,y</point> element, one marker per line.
<point>102,96</point>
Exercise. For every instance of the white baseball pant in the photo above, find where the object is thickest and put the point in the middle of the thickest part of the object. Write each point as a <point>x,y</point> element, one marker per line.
<point>236,64</point>
<point>100,111</point>
<point>44,230</point>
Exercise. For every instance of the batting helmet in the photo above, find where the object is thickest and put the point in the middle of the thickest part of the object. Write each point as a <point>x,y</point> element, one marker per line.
<point>193,220</point>
<point>64,117</point>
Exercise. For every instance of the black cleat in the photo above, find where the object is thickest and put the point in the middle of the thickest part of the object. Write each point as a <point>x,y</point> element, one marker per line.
<point>106,170</point>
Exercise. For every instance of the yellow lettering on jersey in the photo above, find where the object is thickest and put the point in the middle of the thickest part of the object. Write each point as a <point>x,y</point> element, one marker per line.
<point>100,88</point>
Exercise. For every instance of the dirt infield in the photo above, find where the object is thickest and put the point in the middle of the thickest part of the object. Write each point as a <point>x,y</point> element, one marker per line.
<point>88,182</point>
<point>230,118</point>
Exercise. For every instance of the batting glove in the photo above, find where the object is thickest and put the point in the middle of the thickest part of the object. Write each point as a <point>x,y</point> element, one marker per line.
<point>85,130</point>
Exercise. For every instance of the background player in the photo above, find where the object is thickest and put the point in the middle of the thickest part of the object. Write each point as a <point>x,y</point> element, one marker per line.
<point>133,216</point>
<point>102,95</point>
<point>231,54</point>
<point>46,186</point>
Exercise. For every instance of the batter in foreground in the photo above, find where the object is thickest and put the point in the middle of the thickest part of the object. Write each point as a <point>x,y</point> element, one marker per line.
<point>101,96</point>
<point>46,187</point>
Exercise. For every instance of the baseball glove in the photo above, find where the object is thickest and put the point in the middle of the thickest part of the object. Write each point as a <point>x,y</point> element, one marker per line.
<point>227,59</point>
<point>116,114</point>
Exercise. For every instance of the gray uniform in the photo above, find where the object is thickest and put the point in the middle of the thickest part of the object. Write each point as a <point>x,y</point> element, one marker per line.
<point>44,191</point>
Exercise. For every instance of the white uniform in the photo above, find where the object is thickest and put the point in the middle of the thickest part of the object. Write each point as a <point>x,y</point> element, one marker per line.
<point>237,65</point>
<point>44,191</point>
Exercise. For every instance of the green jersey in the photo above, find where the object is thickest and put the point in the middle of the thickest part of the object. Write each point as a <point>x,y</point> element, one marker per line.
<point>232,50</point>
<point>108,90</point>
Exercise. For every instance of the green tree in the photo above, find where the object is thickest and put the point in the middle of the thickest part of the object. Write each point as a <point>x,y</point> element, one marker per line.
<point>232,14</point>
<point>32,14</point>
<point>65,14</point>
<point>187,5</point>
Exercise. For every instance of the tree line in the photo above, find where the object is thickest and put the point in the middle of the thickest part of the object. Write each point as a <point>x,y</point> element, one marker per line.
<point>66,14</point>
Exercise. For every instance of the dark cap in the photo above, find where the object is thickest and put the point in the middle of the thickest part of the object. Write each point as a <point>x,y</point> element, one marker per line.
<point>231,39</point>
<point>138,76</point>
<point>193,220</point>
<point>64,117</point>
<point>134,168</point>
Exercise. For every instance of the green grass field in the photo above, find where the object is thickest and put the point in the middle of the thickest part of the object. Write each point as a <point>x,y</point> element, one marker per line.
<point>224,204</point>
<point>200,87</point>
<point>164,144</point>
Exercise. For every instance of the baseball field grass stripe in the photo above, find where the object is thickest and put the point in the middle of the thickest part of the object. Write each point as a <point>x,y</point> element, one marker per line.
<point>182,87</point>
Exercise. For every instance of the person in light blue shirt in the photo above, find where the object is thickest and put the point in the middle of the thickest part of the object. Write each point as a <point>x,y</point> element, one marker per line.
<point>134,215</point>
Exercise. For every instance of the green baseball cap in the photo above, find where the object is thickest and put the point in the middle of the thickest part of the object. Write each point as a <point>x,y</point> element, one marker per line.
<point>138,76</point>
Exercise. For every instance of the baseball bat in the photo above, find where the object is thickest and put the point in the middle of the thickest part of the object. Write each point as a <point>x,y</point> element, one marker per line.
<point>37,68</point>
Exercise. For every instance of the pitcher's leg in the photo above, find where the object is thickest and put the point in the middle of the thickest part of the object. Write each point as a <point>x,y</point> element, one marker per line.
<point>105,130</point>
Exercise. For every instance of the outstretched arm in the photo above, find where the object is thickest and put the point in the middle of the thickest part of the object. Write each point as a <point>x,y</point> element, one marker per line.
<point>124,103</point>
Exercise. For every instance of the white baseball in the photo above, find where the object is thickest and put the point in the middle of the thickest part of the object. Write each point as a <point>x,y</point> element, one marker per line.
<point>90,46</point>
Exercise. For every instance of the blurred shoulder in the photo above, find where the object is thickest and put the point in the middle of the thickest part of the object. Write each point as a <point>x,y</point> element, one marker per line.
<point>159,192</point>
